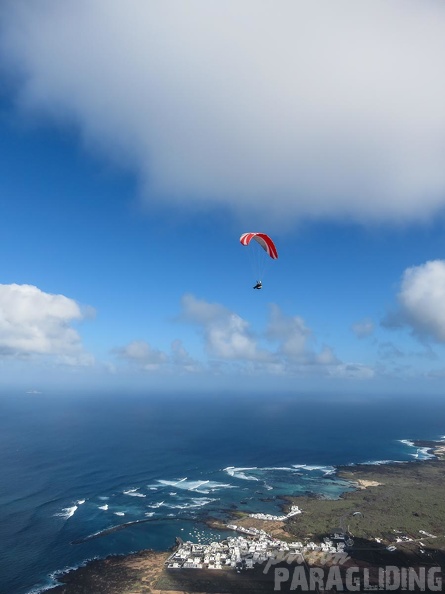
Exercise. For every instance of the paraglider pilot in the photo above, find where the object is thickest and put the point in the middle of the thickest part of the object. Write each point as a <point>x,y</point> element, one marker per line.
<point>258,285</point>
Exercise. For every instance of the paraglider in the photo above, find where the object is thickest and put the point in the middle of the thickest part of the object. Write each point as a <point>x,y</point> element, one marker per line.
<point>261,253</point>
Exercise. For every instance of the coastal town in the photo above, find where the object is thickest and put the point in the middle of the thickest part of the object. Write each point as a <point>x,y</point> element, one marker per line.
<point>244,551</point>
<point>252,546</point>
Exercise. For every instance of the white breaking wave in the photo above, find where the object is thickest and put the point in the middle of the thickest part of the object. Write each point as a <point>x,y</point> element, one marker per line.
<point>156,505</point>
<point>195,502</point>
<point>195,486</point>
<point>133,493</point>
<point>310,468</point>
<point>243,473</point>
<point>287,468</point>
<point>420,453</point>
<point>67,512</point>
<point>54,577</point>
<point>104,507</point>
<point>119,514</point>
<point>149,514</point>
<point>173,483</point>
<point>239,473</point>
<point>81,501</point>
<point>423,454</point>
<point>381,462</point>
<point>200,484</point>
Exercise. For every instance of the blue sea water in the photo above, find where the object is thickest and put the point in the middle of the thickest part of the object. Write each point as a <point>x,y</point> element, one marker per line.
<point>73,465</point>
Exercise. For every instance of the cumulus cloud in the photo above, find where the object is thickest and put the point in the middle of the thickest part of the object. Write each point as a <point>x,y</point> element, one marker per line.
<point>296,342</point>
<point>333,108</point>
<point>226,334</point>
<point>325,357</point>
<point>141,353</point>
<point>36,323</point>
<point>422,301</point>
<point>228,339</point>
<point>291,332</point>
<point>181,358</point>
<point>144,356</point>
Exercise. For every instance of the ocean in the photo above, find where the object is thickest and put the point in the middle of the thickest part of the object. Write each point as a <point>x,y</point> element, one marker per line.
<point>75,465</point>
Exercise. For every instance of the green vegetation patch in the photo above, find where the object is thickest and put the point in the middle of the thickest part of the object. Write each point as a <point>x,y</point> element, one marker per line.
<point>408,500</point>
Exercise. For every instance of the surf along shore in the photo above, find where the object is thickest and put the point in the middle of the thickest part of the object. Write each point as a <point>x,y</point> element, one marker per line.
<point>395,517</point>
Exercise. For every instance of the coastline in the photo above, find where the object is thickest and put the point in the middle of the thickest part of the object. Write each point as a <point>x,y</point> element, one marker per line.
<point>141,570</point>
<point>385,497</point>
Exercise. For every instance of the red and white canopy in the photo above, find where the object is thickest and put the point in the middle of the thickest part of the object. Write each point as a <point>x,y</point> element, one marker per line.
<point>264,240</point>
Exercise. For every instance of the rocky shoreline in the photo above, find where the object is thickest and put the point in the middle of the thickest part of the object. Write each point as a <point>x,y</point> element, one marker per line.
<point>137,572</point>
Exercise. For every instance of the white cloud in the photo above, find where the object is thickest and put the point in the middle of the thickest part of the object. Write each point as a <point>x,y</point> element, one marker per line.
<point>181,358</point>
<point>144,356</point>
<point>363,328</point>
<point>36,323</point>
<point>326,357</point>
<point>422,301</point>
<point>295,341</point>
<point>141,353</point>
<point>228,339</point>
<point>291,332</point>
<point>226,334</point>
<point>333,108</point>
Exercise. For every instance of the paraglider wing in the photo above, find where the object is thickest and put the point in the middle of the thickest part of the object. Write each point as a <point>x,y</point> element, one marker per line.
<point>264,240</point>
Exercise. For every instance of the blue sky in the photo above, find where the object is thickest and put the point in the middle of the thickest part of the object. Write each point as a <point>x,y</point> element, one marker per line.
<point>139,141</point>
